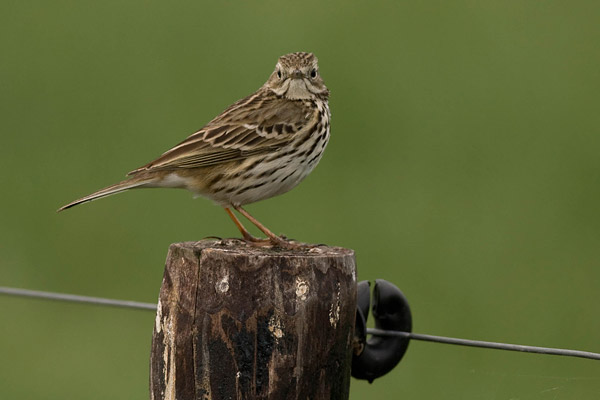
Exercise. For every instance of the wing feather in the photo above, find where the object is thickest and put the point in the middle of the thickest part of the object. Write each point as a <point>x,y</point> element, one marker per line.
<point>259,123</point>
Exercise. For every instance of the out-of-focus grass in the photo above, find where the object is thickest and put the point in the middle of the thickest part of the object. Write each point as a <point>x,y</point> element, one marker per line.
<point>463,167</point>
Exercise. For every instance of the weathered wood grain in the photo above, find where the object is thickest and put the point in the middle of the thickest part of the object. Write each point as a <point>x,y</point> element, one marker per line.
<point>240,322</point>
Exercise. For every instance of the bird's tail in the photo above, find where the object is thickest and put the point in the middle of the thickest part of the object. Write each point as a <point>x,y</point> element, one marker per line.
<point>107,191</point>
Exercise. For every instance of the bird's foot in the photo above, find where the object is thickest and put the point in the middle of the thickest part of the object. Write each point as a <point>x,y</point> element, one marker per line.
<point>284,243</point>
<point>254,241</point>
<point>273,241</point>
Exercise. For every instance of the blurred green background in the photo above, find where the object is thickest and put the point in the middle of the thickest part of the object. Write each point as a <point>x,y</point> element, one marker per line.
<point>463,166</point>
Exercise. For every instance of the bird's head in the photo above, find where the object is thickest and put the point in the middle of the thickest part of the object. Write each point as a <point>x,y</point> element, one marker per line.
<point>297,76</point>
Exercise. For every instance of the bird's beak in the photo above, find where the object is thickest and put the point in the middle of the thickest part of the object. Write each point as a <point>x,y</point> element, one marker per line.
<point>297,74</point>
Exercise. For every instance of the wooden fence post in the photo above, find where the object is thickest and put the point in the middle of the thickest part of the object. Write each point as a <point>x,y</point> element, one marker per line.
<point>240,322</point>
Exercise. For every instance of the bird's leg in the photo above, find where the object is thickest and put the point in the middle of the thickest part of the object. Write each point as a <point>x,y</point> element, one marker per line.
<point>275,240</point>
<point>247,236</point>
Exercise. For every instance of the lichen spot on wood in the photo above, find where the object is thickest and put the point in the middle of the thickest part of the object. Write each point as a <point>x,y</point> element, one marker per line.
<point>301,289</point>
<point>157,325</point>
<point>275,327</point>
<point>334,310</point>
<point>222,285</point>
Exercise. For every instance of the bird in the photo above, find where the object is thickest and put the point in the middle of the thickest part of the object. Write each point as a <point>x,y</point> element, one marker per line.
<point>259,147</point>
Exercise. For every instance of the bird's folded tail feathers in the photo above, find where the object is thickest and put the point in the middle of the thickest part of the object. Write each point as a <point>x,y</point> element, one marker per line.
<point>107,191</point>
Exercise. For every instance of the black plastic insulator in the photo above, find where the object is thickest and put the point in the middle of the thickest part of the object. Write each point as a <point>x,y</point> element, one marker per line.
<point>378,355</point>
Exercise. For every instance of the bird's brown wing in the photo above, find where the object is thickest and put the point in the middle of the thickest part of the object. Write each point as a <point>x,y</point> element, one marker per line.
<point>259,123</point>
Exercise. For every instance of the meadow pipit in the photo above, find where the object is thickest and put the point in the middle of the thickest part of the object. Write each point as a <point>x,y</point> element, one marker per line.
<point>259,147</point>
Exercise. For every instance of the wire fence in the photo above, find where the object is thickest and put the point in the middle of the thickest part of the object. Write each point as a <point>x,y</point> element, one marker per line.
<point>372,331</point>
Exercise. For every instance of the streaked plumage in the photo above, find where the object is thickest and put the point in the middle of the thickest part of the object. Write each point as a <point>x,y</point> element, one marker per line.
<point>259,147</point>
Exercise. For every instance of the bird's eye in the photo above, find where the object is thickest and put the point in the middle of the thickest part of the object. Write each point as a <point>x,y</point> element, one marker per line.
<point>279,73</point>
<point>313,73</point>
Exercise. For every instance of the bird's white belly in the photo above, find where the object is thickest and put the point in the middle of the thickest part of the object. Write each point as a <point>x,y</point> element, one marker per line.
<point>293,174</point>
<point>277,173</point>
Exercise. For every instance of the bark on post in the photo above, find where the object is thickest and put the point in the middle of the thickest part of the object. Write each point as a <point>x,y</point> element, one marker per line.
<point>239,322</point>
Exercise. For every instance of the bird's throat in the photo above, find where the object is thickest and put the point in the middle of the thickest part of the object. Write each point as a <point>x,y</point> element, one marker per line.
<point>297,90</point>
